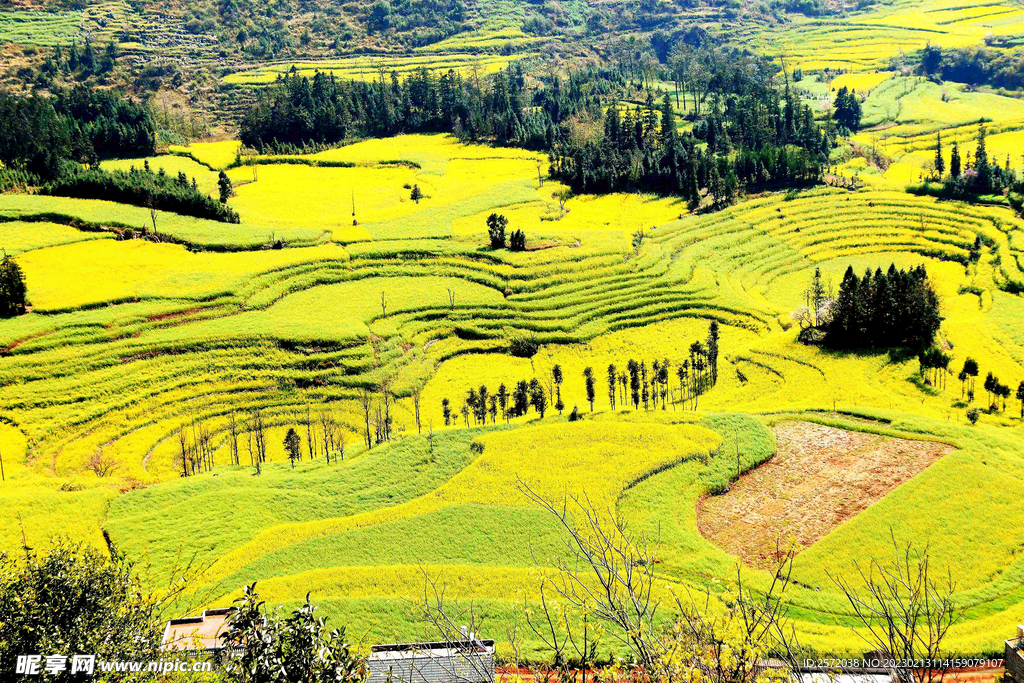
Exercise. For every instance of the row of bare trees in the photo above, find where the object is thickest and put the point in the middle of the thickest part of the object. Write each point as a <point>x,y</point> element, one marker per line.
<point>325,437</point>
<point>378,422</point>
<point>195,448</point>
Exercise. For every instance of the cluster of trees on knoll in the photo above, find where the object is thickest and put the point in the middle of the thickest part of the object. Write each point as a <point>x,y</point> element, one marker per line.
<point>896,308</point>
<point>56,142</point>
<point>638,384</point>
<point>142,187</point>
<point>974,175</point>
<point>847,111</point>
<point>749,134</point>
<point>974,66</point>
<point>496,226</point>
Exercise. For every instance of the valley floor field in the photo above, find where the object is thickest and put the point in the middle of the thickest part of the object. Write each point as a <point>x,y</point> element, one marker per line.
<point>137,351</point>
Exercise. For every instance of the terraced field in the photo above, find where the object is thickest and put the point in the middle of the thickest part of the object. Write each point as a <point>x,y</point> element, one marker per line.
<point>362,68</point>
<point>131,343</point>
<point>866,40</point>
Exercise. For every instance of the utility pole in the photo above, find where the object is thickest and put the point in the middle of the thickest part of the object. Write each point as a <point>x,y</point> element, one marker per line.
<point>354,208</point>
<point>2,477</point>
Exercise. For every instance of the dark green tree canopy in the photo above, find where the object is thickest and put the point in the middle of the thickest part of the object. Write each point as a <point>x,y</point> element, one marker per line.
<point>12,289</point>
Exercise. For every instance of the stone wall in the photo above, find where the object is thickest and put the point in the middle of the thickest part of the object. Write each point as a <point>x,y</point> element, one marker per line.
<point>1014,661</point>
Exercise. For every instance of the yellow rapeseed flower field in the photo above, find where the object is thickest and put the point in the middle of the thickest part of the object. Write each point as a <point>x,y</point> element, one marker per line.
<point>155,340</point>
<point>137,269</point>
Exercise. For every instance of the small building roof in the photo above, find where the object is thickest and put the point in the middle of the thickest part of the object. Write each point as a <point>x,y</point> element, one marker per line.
<point>205,632</point>
<point>393,651</point>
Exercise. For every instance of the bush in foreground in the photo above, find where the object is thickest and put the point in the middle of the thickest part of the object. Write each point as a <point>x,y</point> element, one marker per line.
<point>75,600</point>
<point>268,648</point>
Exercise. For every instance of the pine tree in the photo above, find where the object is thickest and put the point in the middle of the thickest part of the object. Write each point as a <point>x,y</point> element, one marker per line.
<point>983,181</point>
<point>556,376</point>
<point>225,187</point>
<point>954,161</point>
<point>940,163</point>
<point>713,350</point>
<point>496,224</point>
<point>612,377</point>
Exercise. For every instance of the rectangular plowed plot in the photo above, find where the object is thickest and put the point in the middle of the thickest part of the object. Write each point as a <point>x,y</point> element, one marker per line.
<point>818,478</point>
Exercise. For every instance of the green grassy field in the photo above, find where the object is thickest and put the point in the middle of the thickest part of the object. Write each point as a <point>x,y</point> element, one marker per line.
<point>130,343</point>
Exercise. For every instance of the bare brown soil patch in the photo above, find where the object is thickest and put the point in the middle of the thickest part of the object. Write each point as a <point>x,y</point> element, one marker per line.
<point>818,478</point>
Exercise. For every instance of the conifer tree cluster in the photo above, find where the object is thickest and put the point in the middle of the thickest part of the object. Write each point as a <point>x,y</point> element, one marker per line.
<point>756,141</point>
<point>297,111</point>
<point>847,110</point>
<point>42,134</point>
<point>897,308</point>
<point>750,135</point>
<point>142,187</point>
<point>978,174</point>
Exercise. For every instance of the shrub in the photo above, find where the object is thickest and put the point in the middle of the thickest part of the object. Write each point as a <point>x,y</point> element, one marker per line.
<point>74,601</point>
<point>267,648</point>
<point>522,347</point>
<point>973,414</point>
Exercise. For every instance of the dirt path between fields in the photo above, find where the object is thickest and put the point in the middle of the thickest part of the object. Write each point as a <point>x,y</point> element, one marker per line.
<point>818,478</point>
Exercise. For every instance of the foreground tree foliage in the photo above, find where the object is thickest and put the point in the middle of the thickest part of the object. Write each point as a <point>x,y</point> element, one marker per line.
<point>266,647</point>
<point>607,578</point>
<point>906,609</point>
<point>75,600</point>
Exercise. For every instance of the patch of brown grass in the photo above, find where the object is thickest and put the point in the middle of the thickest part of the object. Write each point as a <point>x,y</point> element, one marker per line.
<point>818,478</point>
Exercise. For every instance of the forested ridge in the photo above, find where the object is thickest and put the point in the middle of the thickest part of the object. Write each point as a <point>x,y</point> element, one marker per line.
<point>749,133</point>
<point>56,143</point>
